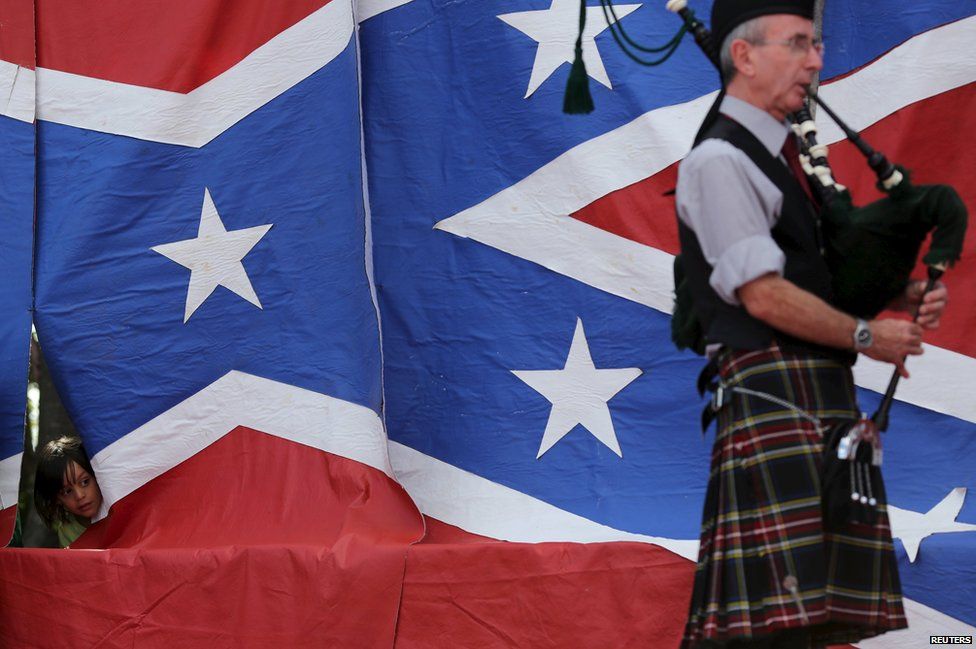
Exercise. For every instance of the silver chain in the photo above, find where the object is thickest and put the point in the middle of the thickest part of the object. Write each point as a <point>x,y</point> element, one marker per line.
<point>799,412</point>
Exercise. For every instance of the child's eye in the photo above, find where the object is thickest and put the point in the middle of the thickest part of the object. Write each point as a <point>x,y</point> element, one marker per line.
<point>84,483</point>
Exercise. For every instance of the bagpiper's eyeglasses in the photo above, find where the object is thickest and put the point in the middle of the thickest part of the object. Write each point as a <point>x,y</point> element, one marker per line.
<point>799,45</point>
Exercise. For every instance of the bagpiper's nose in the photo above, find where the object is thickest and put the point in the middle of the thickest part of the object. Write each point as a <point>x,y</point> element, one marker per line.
<point>815,58</point>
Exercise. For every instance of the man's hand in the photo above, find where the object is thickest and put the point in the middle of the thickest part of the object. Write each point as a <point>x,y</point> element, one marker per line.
<point>932,306</point>
<point>893,341</point>
<point>788,308</point>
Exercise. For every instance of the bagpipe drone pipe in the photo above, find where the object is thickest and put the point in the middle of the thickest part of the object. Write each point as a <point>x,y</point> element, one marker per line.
<point>870,251</point>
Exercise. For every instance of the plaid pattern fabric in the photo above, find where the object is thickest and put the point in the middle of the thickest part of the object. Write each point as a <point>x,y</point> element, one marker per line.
<point>766,565</point>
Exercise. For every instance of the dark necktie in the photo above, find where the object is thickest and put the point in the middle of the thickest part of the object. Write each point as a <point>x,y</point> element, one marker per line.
<point>792,154</point>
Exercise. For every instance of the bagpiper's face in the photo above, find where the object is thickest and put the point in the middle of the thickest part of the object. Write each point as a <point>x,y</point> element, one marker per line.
<point>79,493</point>
<point>785,63</point>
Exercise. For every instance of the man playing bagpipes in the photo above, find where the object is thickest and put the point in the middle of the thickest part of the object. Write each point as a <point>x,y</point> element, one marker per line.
<point>770,572</point>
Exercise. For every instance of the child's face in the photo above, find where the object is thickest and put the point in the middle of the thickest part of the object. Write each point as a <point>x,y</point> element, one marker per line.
<point>79,493</point>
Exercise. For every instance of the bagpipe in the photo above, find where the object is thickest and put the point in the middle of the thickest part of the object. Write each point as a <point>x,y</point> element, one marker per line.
<point>870,251</point>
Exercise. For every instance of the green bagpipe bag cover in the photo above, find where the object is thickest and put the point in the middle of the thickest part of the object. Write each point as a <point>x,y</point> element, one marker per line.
<point>871,250</point>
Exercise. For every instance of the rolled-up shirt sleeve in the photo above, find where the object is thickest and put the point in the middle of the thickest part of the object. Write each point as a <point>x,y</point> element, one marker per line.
<point>732,207</point>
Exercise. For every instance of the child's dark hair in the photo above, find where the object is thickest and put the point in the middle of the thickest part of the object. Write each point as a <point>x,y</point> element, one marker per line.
<point>52,464</point>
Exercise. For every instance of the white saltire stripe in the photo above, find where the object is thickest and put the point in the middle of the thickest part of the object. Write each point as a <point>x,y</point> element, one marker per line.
<point>238,399</point>
<point>463,499</point>
<point>537,207</point>
<point>478,505</point>
<point>200,115</point>
<point>10,480</point>
<point>530,218</point>
<point>17,91</point>
<point>197,117</point>
<point>942,381</point>
<point>923,66</point>
<point>366,9</point>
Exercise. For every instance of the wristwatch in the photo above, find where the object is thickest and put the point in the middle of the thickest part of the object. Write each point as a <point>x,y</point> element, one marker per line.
<point>862,336</point>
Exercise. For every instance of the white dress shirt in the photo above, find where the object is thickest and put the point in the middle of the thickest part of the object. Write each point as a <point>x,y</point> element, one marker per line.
<point>731,205</point>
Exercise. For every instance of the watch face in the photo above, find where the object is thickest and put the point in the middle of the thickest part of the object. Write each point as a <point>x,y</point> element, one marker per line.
<point>862,336</point>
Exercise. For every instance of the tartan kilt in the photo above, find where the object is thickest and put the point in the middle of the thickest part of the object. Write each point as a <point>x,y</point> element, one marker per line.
<point>766,564</point>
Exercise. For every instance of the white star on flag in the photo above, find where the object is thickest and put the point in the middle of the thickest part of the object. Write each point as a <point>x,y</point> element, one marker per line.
<point>911,527</point>
<point>214,257</point>
<point>579,394</point>
<point>555,30</point>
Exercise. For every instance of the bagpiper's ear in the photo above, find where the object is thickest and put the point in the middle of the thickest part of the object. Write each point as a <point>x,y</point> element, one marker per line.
<point>741,52</point>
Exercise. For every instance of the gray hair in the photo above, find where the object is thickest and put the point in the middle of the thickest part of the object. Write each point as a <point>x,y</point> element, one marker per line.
<point>751,31</point>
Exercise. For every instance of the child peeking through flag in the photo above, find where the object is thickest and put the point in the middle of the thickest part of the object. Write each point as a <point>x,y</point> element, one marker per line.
<point>66,493</point>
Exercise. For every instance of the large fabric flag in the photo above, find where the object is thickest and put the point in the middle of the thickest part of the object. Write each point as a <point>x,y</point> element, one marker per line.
<point>17,243</point>
<point>236,319</point>
<point>202,297</point>
<point>523,265</point>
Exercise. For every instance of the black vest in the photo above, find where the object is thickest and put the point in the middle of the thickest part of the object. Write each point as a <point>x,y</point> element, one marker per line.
<point>796,233</point>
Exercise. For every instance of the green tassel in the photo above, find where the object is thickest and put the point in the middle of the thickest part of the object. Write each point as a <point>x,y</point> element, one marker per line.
<point>577,100</point>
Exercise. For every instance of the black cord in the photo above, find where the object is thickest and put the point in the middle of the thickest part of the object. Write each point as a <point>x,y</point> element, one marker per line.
<point>623,41</point>
<point>616,24</point>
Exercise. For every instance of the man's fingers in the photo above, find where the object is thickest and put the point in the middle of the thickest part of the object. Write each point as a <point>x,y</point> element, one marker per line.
<point>900,366</point>
<point>929,316</point>
<point>932,306</point>
<point>895,340</point>
<point>914,334</point>
<point>938,293</point>
<point>915,339</point>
